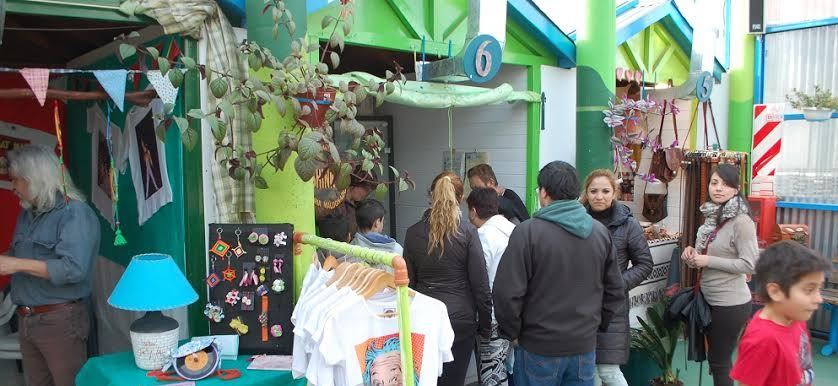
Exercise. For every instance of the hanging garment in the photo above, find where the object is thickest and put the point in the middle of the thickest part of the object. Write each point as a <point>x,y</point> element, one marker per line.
<point>147,155</point>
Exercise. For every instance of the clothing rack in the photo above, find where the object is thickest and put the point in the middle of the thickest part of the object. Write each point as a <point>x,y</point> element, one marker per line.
<point>401,280</point>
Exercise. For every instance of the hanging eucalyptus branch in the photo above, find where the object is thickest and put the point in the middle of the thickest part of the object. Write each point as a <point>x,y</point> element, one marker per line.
<point>322,111</point>
<point>623,111</point>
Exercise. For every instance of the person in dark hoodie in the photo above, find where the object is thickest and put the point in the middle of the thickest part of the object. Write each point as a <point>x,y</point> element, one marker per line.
<point>445,261</point>
<point>557,284</point>
<point>630,245</point>
<point>369,214</point>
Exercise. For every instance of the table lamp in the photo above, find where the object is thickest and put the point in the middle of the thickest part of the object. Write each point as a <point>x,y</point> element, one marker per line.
<point>152,283</point>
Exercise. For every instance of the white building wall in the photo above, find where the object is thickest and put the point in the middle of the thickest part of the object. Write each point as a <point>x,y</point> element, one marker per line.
<point>558,139</point>
<point>421,137</point>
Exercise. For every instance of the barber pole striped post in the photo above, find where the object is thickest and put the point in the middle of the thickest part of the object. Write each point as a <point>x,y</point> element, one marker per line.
<point>766,147</point>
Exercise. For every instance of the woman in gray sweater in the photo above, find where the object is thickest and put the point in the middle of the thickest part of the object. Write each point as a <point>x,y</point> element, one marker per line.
<point>726,250</point>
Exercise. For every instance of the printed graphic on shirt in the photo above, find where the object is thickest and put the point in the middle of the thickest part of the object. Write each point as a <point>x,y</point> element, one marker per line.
<point>805,358</point>
<point>149,160</point>
<point>381,363</point>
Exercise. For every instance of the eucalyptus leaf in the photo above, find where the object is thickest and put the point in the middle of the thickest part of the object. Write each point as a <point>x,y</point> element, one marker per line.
<point>219,129</point>
<point>403,185</point>
<point>259,182</point>
<point>189,137</point>
<point>254,62</point>
<point>188,62</point>
<point>160,131</point>
<point>227,108</point>
<point>381,192</point>
<point>196,113</point>
<point>218,87</point>
<point>126,51</point>
<point>153,52</point>
<point>305,168</point>
<point>395,172</point>
<point>176,77</point>
<point>163,65</point>
<point>335,58</point>
<point>333,150</point>
<point>282,158</point>
<point>182,123</point>
<point>309,145</point>
<point>168,108</point>
<point>128,7</point>
<point>344,177</point>
<point>280,106</point>
<point>367,165</point>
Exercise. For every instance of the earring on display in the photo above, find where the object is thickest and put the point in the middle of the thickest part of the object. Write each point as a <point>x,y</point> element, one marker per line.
<point>220,248</point>
<point>238,250</point>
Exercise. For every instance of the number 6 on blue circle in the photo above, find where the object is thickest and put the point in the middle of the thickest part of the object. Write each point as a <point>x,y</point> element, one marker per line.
<point>704,86</point>
<point>482,58</point>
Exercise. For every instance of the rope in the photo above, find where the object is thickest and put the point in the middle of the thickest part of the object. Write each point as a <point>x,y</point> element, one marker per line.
<point>119,239</point>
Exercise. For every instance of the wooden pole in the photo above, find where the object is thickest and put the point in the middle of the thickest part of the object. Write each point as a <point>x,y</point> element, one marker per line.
<point>142,98</point>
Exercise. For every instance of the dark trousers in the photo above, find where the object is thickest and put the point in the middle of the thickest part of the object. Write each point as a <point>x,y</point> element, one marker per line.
<point>454,373</point>
<point>727,325</point>
<point>54,345</point>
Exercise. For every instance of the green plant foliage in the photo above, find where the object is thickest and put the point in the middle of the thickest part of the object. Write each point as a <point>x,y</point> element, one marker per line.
<point>821,99</point>
<point>658,339</point>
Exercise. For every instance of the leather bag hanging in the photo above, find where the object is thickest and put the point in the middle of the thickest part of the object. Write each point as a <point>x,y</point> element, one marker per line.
<point>659,165</point>
<point>674,154</point>
<point>654,201</point>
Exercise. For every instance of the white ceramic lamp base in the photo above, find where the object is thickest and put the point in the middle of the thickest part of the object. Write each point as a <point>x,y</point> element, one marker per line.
<point>152,350</point>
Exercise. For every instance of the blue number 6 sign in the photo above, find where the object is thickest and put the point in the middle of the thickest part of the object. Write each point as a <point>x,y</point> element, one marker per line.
<point>482,58</point>
<point>704,86</point>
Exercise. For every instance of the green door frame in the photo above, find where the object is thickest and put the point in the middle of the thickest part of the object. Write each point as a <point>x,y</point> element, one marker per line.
<point>106,10</point>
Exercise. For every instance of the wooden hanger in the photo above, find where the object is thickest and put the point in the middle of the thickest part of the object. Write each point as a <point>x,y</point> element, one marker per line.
<point>376,283</point>
<point>339,272</point>
<point>368,280</point>
<point>357,276</point>
<point>330,263</point>
<point>362,278</point>
<point>349,274</point>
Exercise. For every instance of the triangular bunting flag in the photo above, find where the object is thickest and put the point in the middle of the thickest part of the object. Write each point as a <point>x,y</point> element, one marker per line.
<point>38,79</point>
<point>165,90</point>
<point>113,81</point>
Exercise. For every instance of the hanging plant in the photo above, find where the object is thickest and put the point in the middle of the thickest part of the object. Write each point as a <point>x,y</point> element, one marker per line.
<point>321,109</point>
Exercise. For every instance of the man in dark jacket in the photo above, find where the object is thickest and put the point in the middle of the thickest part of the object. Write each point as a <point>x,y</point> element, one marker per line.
<point>557,284</point>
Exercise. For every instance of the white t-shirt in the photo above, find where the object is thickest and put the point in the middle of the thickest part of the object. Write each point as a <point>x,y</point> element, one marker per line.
<point>366,345</point>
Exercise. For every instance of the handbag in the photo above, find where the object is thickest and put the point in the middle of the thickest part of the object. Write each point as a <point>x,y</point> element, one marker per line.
<point>660,167</point>
<point>654,203</point>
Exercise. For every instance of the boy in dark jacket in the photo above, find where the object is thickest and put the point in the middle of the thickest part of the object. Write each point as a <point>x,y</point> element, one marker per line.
<point>557,284</point>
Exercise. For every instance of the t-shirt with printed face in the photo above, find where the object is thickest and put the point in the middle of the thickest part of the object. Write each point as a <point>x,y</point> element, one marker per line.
<point>771,354</point>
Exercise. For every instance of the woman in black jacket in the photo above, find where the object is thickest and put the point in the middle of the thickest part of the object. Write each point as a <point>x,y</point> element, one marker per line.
<point>629,245</point>
<point>445,261</point>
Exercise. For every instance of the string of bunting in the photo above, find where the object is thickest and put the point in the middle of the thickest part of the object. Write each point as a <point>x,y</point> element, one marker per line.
<point>112,81</point>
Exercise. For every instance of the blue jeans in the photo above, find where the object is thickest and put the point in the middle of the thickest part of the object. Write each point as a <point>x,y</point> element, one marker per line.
<point>537,370</point>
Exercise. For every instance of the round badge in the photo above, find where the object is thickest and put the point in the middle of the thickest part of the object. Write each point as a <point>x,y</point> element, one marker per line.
<point>276,331</point>
<point>482,58</point>
<point>704,86</point>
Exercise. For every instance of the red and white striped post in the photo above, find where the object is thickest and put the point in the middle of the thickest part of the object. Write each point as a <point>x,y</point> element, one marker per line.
<point>766,147</point>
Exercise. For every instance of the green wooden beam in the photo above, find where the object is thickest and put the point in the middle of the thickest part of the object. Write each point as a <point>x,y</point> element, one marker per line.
<point>664,57</point>
<point>430,23</point>
<point>533,136</point>
<point>454,24</point>
<point>636,62</point>
<point>647,49</point>
<point>413,23</point>
<point>193,193</point>
<point>91,9</point>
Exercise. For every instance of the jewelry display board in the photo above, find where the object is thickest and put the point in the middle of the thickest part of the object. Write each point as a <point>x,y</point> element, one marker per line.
<point>251,285</point>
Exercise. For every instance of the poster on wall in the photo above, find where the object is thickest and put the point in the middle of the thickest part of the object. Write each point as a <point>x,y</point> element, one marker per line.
<point>147,156</point>
<point>472,159</point>
<point>13,136</point>
<point>454,164</point>
<point>101,192</point>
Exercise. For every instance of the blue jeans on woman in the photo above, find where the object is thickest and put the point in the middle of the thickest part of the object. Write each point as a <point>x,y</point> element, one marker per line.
<point>537,370</point>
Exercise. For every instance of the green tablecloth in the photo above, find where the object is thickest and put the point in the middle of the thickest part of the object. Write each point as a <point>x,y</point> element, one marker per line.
<point>119,369</point>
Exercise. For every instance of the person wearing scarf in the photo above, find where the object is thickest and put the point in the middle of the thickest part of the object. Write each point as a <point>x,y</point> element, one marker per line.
<point>726,251</point>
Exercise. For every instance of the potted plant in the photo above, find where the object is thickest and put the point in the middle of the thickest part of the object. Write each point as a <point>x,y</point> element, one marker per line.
<point>816,107</point>
<point>322,108</point>
<point>658,340</point>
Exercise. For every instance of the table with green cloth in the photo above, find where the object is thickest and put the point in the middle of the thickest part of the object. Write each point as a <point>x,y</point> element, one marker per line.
<point>119,369</point>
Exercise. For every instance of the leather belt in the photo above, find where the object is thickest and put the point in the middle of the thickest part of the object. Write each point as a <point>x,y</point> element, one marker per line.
<point>26,310</point>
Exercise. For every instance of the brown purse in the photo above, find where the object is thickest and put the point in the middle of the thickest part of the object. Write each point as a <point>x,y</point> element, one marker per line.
<point>659,166</point>
<point>654,204</point>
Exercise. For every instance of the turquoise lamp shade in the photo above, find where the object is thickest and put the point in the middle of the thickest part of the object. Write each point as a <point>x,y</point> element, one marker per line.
<point>152,282</point>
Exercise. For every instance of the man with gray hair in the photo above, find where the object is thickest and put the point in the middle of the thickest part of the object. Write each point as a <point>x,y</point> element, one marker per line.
<point>55,242</point>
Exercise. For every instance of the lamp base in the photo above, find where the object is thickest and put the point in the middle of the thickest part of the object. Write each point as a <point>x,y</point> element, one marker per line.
<point>153,337</point>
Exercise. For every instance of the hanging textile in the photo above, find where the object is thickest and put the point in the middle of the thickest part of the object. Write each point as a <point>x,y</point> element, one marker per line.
<point>203,19</point>
<point>698,167</point>
<point>147,155</point>
<point>100,185</point>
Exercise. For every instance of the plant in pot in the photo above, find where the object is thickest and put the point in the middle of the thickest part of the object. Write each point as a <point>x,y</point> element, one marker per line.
<point>658,340</point>
<point>816,107</point>
<point>299,84</point>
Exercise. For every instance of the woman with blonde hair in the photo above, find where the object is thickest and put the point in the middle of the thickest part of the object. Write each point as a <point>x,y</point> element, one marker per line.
<point>629,243</point>
<point>445,261</point>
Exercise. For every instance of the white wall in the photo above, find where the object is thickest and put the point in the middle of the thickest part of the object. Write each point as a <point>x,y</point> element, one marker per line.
<point>721,104</point>
<point>421,137</point>
<point>558,139</point>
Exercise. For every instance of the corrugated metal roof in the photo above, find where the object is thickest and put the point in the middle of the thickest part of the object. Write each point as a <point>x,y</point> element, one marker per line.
<point>779,12</point>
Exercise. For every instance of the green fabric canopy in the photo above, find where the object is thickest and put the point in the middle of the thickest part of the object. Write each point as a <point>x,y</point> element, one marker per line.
<point>441,95</point>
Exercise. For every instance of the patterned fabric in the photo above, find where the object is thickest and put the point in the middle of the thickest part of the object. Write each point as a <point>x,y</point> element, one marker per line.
<point>165,90</point>
<point>38,80</point>
<point>733,207</point>
<point>493,356</point>
<point>203,19</point>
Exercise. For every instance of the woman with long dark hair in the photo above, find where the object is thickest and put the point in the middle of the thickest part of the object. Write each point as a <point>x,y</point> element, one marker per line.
<point>445,261</point>
<point>726,251</point>
<point>630,245</point>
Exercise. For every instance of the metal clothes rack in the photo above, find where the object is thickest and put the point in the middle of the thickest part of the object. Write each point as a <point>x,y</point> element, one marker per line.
<point>401,280</point>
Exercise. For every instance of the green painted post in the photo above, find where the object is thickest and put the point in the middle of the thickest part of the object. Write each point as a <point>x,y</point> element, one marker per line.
<point>533,136</point>
<point>288,199</point>
<point>596,57</point>
<point>740,121</point>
